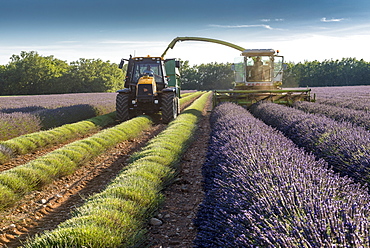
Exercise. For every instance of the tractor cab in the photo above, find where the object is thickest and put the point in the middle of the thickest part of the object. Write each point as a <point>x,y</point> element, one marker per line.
<point>145,66</point>
<point>258,69</point>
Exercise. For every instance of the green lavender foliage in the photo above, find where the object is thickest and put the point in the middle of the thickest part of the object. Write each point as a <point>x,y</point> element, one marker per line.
<point>116,216</point>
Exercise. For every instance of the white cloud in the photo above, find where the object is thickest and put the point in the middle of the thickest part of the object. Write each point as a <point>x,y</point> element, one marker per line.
<point>331,20</point>
<point>242,26</point>
<point>269,20</point>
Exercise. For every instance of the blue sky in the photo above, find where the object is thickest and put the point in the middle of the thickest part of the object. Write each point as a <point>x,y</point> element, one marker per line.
<point>113,29</point>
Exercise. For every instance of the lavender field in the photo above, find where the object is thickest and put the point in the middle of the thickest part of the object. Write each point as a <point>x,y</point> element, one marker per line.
<point>274,175</point>
<point>279,176</point>
<point>354,97</point>
<point>262,190</point>
<point>356,117</point>
<point>26,114</point>
<point>98,100</point>
<point>344,146</point>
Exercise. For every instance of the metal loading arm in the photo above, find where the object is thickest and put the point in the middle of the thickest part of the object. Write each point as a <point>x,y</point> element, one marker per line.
<point>174,41</point>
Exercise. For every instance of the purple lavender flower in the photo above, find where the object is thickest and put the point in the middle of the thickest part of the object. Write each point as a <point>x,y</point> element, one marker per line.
<point>344,146</point>
<point>261,190</point>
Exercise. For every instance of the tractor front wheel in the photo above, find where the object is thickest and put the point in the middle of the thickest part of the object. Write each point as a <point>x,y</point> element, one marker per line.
<point>122,107</point>
<point>170,107</point>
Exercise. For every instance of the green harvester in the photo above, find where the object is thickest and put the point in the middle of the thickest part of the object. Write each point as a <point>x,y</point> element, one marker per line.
<point>258,77</point>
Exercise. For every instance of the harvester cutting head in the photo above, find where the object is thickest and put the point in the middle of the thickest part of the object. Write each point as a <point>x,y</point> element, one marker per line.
<point>258,77</point>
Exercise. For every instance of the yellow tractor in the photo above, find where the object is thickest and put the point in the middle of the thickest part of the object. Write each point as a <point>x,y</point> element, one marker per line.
<point>258,77</point>
<point>151,86</point>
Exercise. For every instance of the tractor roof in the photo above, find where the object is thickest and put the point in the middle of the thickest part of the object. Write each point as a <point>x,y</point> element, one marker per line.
<point>258,52</point>
<point>148,58</point>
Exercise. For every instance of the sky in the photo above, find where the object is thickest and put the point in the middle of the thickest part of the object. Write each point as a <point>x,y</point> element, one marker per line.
<point>113,29</point>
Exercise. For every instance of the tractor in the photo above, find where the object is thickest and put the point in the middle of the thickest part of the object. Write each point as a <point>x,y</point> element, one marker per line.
<point>151,86</point>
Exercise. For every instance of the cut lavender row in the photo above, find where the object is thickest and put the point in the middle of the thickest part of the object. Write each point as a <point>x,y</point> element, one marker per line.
<point>345,147</point>
<point>263,191</point>
<point>356,117</point>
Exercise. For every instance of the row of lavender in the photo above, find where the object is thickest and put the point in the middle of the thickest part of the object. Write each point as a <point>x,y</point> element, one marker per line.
<point>26,114</point>
<point>21,103</point>
<point>342,92</point>
<point>344,146</point>
<point>354,97</point>
<point>342,114</point>
<point>261,190</point>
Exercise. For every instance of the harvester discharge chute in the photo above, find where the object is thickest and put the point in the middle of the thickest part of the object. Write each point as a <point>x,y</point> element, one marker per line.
<point>258,77</point>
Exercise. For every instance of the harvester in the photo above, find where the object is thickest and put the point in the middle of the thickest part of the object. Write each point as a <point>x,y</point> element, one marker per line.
<point>151,86</point>
<point>258,77</point>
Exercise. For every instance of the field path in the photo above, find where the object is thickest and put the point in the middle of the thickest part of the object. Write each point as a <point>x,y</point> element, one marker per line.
<point>183,196</point>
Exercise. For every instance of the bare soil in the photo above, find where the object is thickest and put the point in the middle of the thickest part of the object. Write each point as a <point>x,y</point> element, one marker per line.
<point>182,198</point>
<point>45,209</point>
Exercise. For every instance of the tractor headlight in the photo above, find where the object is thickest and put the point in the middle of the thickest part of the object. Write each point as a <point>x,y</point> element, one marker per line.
<point>133,102</point>
<point>156,101</point>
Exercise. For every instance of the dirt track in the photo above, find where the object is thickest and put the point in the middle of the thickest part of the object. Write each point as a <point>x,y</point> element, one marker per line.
<point>184,196</point>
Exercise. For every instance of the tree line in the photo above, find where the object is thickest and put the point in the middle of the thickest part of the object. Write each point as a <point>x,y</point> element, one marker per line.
<point>344,72</point>
<point>206,76</point>
<point>30,74</point>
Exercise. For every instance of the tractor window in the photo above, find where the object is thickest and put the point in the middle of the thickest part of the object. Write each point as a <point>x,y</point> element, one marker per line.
<point>259,69</point>
<point>278,65</point>
<point>239,70</point>
<point>141,68</point>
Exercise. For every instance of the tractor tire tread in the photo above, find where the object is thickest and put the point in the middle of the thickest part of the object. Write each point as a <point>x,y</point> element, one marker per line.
<point>169,107</point>
<point>122,107</point>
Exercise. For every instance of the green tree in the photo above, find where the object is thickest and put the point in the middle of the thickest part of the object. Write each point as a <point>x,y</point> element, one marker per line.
<point>29,73</point>
<point>216,76</point>
<point>189,76</point>
<point>90,75</point>
<point>2,79</point>
<point>289,76</point>
<point>344,72</point>
<point>207,76</point>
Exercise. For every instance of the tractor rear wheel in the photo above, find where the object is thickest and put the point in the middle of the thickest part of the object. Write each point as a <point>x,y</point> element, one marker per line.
<point>122,107</point>
<point>170,107</point>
